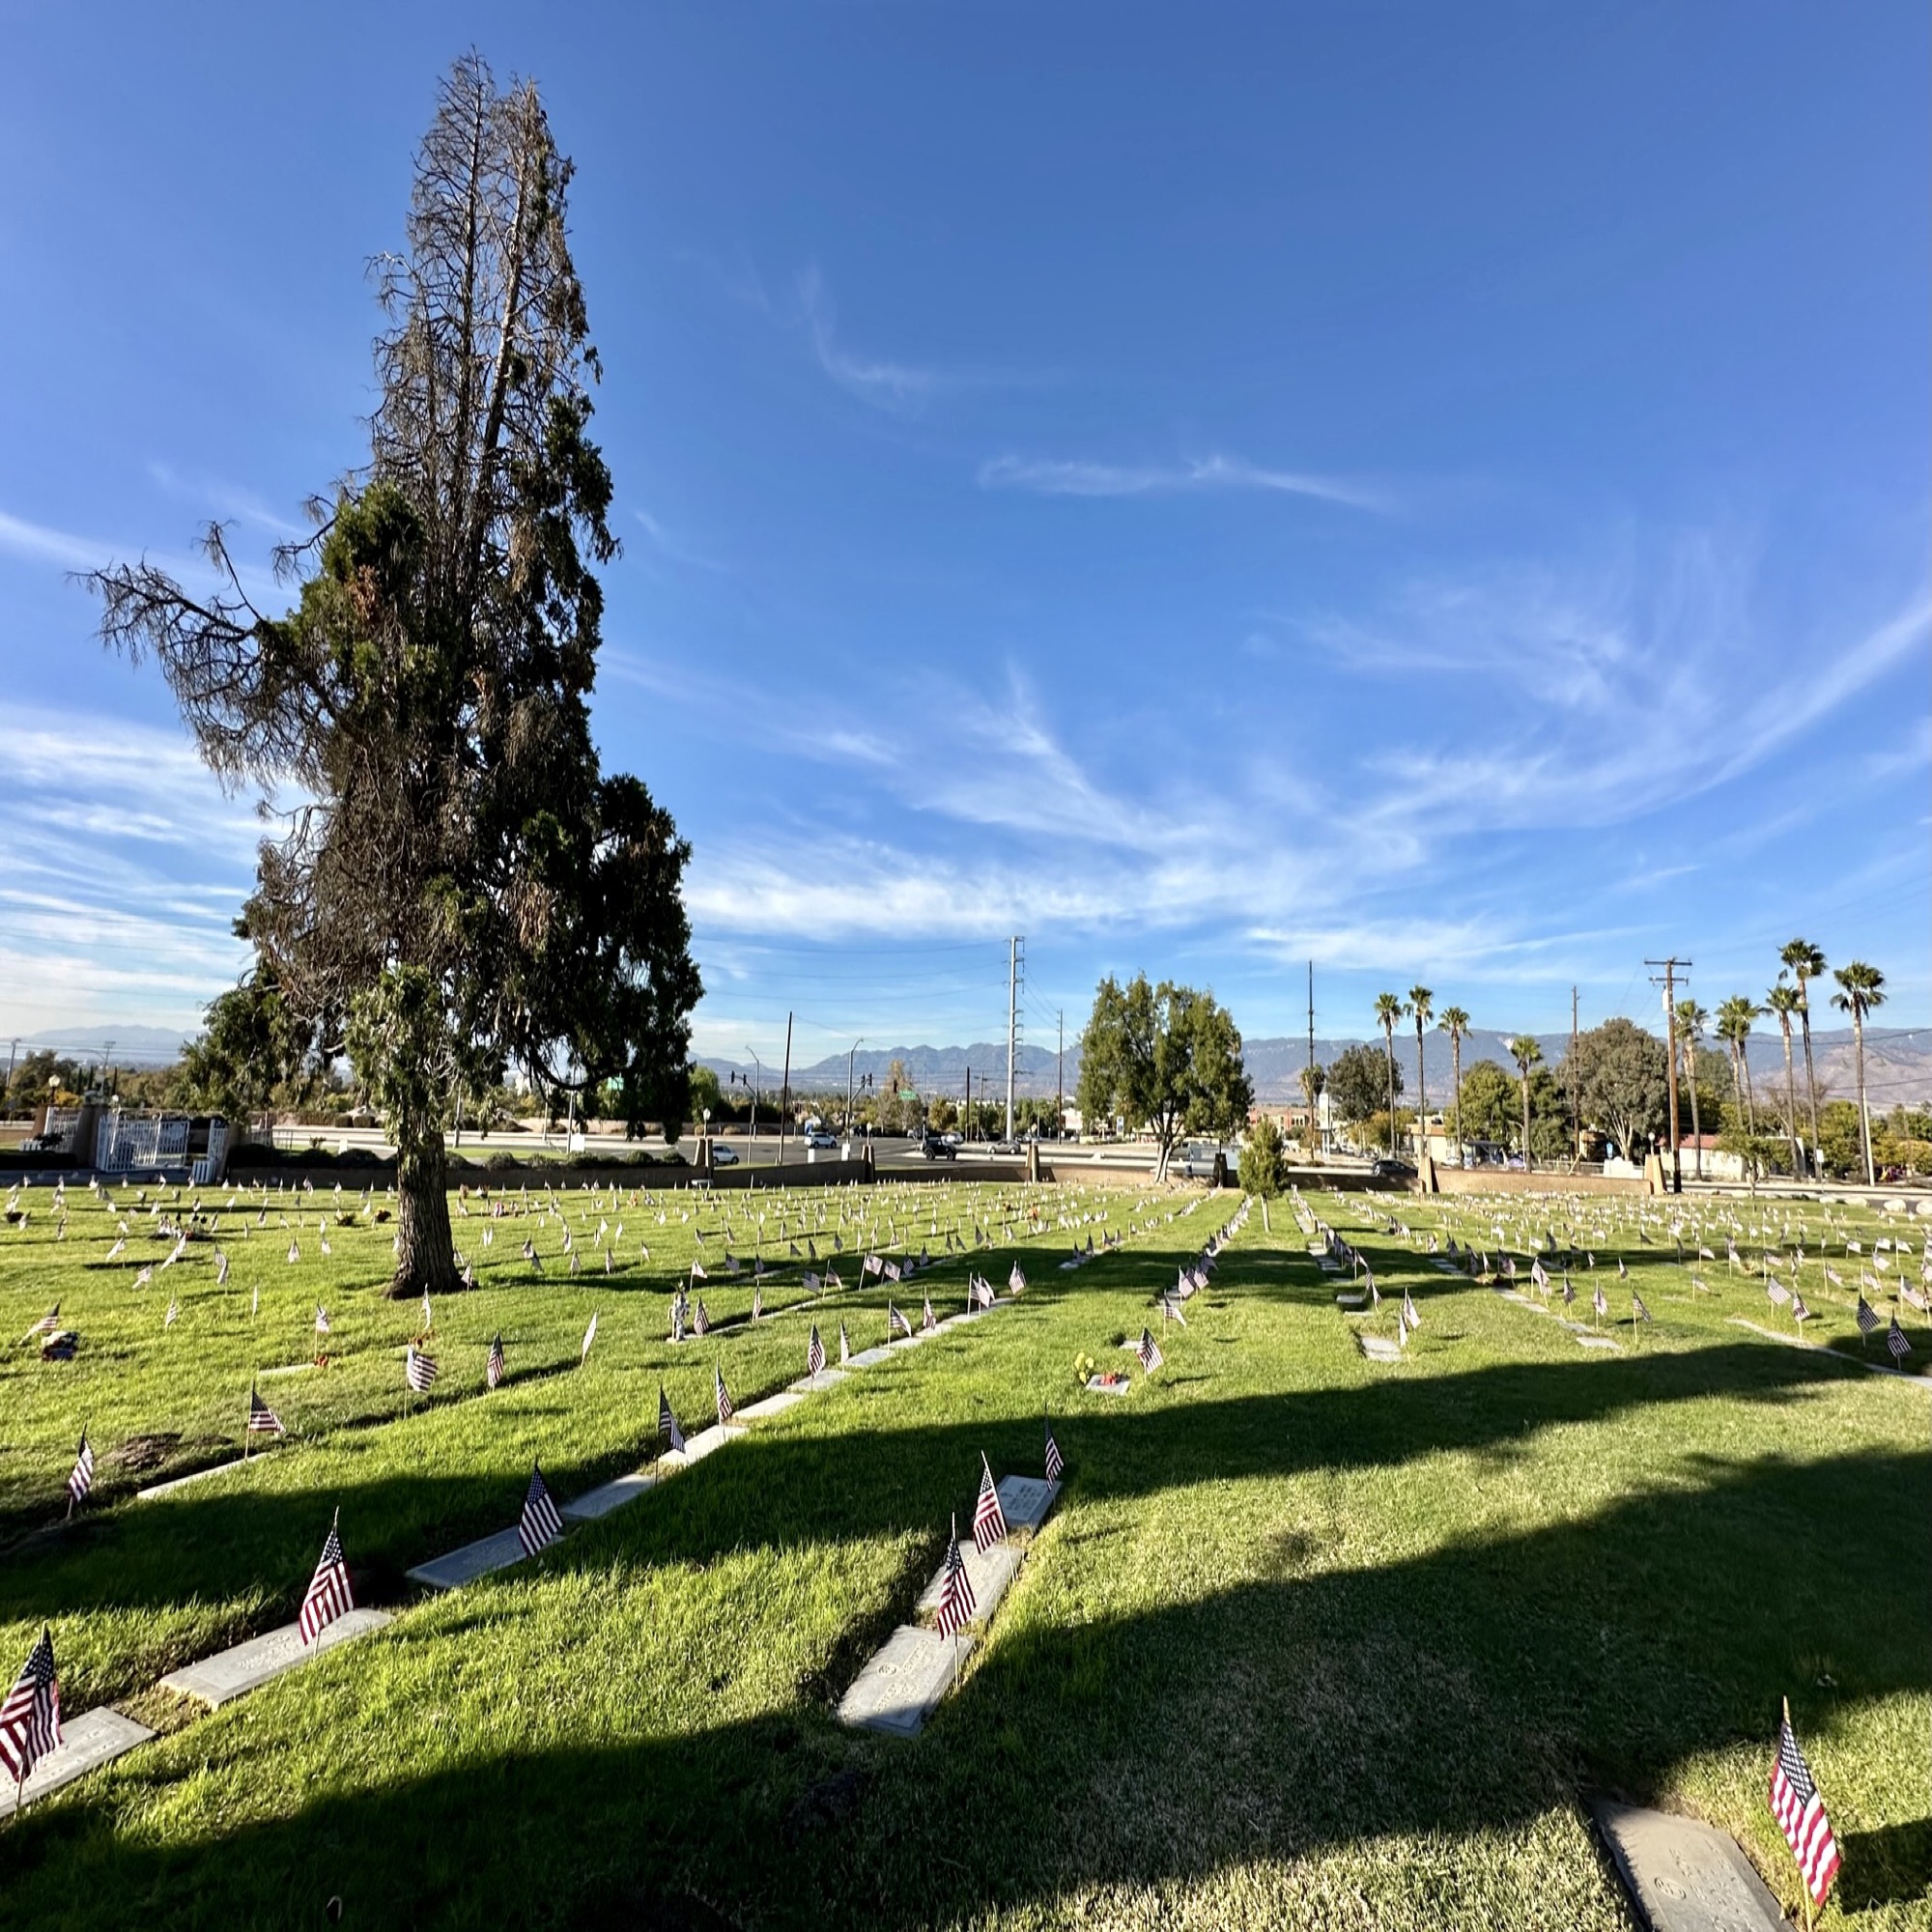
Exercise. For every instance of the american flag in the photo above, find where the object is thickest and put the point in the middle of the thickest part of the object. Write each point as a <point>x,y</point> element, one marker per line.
<point>82,1477</point>
<point>328,1593</point>
<point>539,1525</point>
<point>990,1520</point>
<point>1800,1812</point>
<point>419,1370</point>
<point>30,1725</point>
<point>321,1320</point>
<point>814,1353</point>
<point>1054,1465</point>
<point>493,1367</point>
<point>757,1304</point>
<point>1894,1339</point>
<point>1016,1281</point>
<point>173,1315</point>
<point>1598,1301</point>
<point>926,1316</point>
<point>1410,1317</point>
<point>1148,1350</point>
<point>701,1323</point>
<point>1867,1316</point>
<point>589,1336</point>
<point>1639,1312</point>
<point>955,1594</point>
<point>895,1322</point>
<point>262,1419</point>
<point>1799,1311</point>
<point>726,1409</point>
<point>668,1428</point>
<point>844,1343</point>
<point>46,1325</point>
<point>697,1271</point>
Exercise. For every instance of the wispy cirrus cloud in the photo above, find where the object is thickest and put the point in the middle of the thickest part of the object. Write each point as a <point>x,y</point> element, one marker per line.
<point>1057,476</point>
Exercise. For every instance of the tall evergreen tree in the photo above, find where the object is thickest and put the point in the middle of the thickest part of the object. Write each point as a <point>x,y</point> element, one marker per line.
<point>461,885</point>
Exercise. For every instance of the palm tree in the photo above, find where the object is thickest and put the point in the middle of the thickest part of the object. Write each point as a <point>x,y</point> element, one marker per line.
<point>1388,1016</point>
<point>1861,988</point>
<point>1454,1022</point>
<point>1784,1002</point>
<point>1734,1026</point>
<point>1692,1019</point>
<point>1527,1053</point>
<point>1805,962</point>
<point>1422,1009</point>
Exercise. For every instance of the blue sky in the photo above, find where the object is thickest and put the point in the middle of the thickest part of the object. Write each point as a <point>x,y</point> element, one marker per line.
<point>1438,491</point>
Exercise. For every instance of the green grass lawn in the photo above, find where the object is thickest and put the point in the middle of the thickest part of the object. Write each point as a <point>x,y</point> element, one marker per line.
<point>1310,1641</point>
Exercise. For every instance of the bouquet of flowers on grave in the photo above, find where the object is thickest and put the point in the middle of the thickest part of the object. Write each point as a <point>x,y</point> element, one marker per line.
<point>1084,1366</point>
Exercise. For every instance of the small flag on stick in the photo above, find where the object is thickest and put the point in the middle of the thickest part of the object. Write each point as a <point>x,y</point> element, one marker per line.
<point>493,1366</point>
<point>1800,1812</point>
<point>30,1725</point>
<point>955,1594</point>
<point>990,1520</point>
<point>81,1479</point>
<point>328,1593</point>
<point>540,1526</point>
<point>262,1419</point>
<point>1054,1465</point>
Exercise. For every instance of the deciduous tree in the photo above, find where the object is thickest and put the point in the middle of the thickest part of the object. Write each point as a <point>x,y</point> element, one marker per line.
<point>1165,1058</point>
<point>1622,1082</point>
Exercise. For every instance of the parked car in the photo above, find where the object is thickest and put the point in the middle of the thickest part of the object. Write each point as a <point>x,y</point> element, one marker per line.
<point>817,1136</point>
<point>723,1155</point>
<point>1393,1170</point>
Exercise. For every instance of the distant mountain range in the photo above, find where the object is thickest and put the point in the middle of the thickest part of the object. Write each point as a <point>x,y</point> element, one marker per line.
<point>1898,1064</point>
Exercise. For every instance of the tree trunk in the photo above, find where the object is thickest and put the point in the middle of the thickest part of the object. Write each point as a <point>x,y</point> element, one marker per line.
<point>1527,1162</point>
<point>1864,1113</point>
<point>1421,1105</point>
<point>1791,1106</point>
<point>1696,1125</point>
<point>1455,1054</point>
<point>425,1251</point>
<point>1811,1079</point>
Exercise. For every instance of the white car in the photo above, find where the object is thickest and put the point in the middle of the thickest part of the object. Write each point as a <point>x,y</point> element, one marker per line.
<point>723,1155</point>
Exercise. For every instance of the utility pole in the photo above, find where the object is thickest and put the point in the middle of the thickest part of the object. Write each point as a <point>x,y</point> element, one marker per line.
<point>850,1058</point>
<point>1059,1080</point>
<point>1314,1136</point>
<point>966,1126</point>
<point>784,1102</point>
<point>1013,969</point>
<point>12,1053</point>
<point>1672,968</point>
<point>1575,1105</point>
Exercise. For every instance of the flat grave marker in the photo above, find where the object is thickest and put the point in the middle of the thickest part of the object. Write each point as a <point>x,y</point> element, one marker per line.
<point>229,1673</point>
<point>772,1405</point>
<point>607,1496</point>
<point>1379,1348</point>
<point>825,1378</point>
<point>988,1571</point>
<point>871,1358</point>
<point>471,1561</point>
<point>95,1738</point>
<point>896,1690</point>
<point>1685,1876</point>
<point>1024,1500</point>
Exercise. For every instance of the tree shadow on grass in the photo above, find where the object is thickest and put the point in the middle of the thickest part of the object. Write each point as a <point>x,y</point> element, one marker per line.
<point>1379,1714</point>
<point>791,1483</point>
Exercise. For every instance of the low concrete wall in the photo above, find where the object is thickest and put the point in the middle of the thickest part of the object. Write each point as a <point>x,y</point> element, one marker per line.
<point>1513,1181</point>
